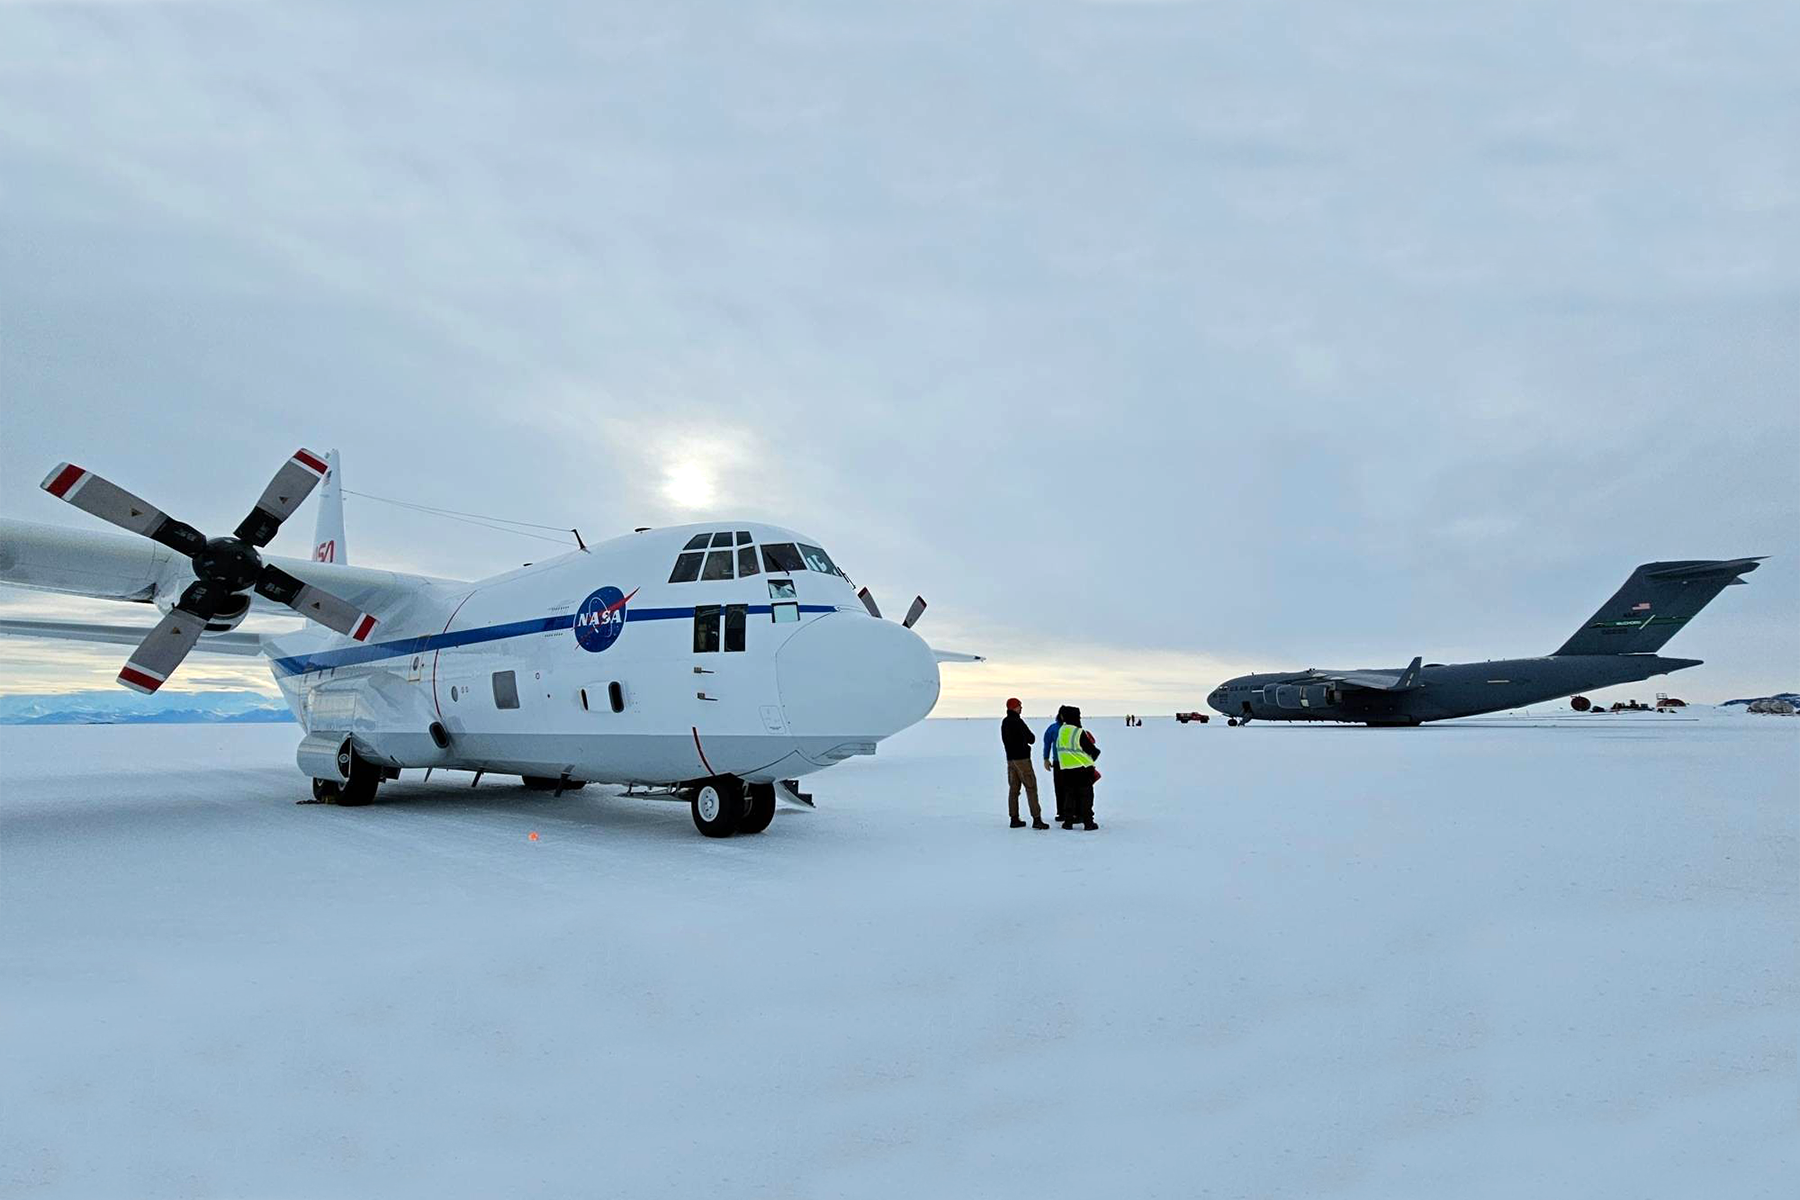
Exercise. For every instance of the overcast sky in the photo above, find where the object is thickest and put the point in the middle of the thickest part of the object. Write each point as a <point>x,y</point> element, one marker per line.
<point>1152,343</point>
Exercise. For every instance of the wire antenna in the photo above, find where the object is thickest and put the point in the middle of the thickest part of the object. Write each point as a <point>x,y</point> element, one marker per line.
<point>484,520</point>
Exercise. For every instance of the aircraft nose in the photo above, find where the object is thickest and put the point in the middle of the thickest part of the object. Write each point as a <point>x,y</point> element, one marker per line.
<point>848,680</point>
<point>1218,699</point>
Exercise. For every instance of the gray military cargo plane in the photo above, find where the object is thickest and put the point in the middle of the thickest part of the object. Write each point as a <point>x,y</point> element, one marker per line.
<point>1616,645</point>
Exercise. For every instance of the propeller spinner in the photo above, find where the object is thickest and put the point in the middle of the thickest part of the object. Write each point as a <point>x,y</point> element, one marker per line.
<point>225,568</point>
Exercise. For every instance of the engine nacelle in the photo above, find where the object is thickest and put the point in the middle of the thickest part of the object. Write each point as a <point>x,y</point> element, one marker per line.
<point>220,622</point>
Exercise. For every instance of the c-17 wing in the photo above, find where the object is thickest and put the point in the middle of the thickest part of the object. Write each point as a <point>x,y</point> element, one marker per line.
<point>1381,681</point>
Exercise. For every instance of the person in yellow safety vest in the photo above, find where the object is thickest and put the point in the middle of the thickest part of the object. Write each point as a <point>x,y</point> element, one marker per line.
<point>1069,754</point>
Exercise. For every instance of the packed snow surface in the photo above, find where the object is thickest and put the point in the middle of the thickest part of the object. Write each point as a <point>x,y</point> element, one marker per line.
<point>1514,957</point>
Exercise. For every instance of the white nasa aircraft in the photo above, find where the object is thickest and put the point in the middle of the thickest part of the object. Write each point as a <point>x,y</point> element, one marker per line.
<point>722,661</point>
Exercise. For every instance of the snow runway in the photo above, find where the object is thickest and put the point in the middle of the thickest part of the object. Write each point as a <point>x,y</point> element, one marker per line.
<point>1482,959</point>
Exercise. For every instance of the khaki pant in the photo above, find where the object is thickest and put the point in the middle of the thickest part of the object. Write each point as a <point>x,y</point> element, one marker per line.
<point>1020,771</point>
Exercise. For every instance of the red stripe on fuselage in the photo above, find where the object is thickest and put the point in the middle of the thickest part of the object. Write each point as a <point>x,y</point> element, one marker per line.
<point>67,478</point>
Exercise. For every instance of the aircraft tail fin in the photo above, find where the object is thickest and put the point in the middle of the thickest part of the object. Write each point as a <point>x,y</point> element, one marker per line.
<point>1409,678</point>
<point>1654,604</point>
<point>328,532</point>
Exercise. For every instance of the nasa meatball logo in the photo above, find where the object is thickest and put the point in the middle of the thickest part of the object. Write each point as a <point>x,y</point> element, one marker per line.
<point>600,618</point>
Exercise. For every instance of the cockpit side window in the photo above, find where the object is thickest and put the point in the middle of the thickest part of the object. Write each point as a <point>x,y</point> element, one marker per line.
<point>747,561</point>
<point>687,569</point>
<point>698,541</point>
<point>818,560</point>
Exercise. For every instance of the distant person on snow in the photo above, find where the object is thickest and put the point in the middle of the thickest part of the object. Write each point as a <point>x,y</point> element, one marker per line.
<point>1069,754</point>
<point>1018,739</point>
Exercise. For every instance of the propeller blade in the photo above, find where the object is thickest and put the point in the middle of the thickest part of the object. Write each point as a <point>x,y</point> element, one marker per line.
<point>162,650</point>
<point>869,602</point>
<point>285,493</point>
<point>915,612</point>
<point>110,502</point>
<point>315,604</point>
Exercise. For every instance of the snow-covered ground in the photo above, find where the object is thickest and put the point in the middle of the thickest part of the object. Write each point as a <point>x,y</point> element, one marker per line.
<point>1504,958</point>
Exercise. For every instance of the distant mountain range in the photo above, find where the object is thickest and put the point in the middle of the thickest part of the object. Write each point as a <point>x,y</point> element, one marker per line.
<point>1791,697</point>
<point>123,707</point>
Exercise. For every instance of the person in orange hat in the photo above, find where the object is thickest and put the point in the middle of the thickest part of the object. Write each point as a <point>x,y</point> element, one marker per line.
<point>1018,739</point>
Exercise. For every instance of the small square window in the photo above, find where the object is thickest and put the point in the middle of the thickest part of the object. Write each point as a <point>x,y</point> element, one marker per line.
<point>506,690</point>
<point>718,565</point>
<point>744,538</point>
<point>781,614</point>
<point>781,589</point>
<point>687,569</point>
<point>706,628</point>
<point>747,562</point>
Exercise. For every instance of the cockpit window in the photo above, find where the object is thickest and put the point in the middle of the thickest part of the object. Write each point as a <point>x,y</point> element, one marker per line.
<point>744,538</point>
<point>781,589</point>
<point>782,557</point>
<point>721,539</point>
<point>747,561</point>
<point>818,560</point>
<point>698,541</point>
<point>687,569</point>
<point>718,565</point>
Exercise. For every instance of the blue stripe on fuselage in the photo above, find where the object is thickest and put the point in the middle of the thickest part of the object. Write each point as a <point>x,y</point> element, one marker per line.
<point>349,656</point>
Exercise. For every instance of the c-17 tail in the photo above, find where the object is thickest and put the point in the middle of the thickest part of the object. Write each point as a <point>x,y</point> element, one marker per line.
<point>1654,604</point>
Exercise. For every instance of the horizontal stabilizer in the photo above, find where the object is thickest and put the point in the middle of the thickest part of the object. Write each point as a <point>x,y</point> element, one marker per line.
<point>1654,604</point>
<point>249,644</point>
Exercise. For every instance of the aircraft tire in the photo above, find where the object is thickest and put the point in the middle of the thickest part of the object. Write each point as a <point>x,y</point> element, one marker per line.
<point>759,807</point>
<point>359,789</point>
<point>325,791</point>
<point>718,806</point>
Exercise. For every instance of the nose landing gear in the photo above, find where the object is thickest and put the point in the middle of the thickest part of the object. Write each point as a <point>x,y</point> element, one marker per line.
<point>726,805</point>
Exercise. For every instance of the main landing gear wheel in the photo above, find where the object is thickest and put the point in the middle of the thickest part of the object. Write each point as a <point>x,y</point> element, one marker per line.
<point>359,789</point>
<point>759,807</point>
<point>325,791</point>
<point>718,806</point>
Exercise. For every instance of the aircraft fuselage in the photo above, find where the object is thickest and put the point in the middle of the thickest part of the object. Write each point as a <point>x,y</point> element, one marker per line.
<point>1444,691</point>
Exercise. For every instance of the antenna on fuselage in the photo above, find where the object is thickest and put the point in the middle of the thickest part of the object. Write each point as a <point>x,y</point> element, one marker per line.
<point>578,541</point>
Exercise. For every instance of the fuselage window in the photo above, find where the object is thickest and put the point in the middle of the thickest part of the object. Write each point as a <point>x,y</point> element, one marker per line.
<point>506,689</point>
<point>781,589</point>
<point>781,556</point>
<point>698,541</point>
<point>718,565</point>
<point>737,616</point>
<point>616,694</point>
<point>687,569</point>
<point>747,562</point>
<point>721,539</point>
<point>781,614</point>
<point>706,628</point>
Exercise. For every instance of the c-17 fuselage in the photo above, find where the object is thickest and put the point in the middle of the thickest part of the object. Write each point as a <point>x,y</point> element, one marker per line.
<point>1616,645</point>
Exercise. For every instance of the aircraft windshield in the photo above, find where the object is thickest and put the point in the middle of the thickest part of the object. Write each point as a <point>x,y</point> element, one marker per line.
<point>714,555</point>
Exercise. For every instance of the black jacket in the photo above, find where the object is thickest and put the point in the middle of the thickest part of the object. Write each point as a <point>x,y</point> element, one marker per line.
<point>1017,737</point>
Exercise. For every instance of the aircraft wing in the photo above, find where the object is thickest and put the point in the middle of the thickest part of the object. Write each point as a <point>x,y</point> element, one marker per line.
<point>1378,681</point>
<point>944,656</point>
<point>111,566</point>
<point>127,635</point>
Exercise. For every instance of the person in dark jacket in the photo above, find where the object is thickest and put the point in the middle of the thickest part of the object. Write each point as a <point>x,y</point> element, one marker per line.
<point>1069,754</point>
<point>1018,739</point>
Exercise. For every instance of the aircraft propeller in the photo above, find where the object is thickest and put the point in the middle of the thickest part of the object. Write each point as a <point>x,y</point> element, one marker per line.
<point>226,569</point>
<point>912,614</point>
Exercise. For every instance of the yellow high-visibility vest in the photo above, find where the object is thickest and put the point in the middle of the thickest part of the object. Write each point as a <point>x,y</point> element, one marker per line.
<point>1069,754</point>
